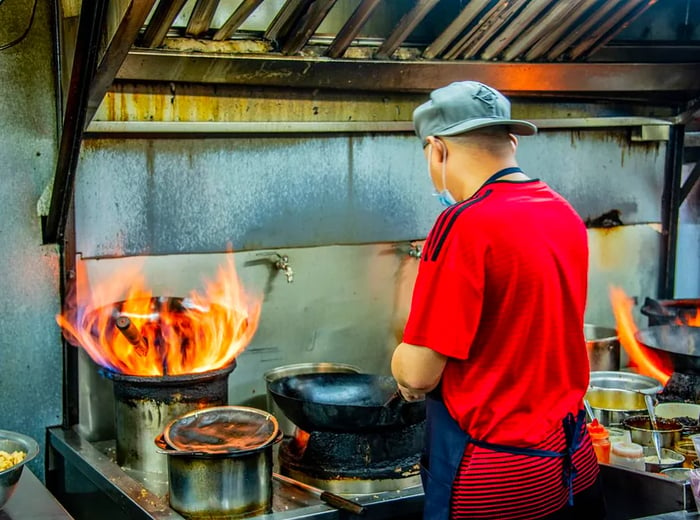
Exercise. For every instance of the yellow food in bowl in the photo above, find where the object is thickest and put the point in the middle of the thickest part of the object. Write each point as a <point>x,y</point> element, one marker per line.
<point>7,460</point>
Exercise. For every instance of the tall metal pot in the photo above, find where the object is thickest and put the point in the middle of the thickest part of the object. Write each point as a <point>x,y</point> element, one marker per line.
<point>144,405</point>
<point>603,347</point>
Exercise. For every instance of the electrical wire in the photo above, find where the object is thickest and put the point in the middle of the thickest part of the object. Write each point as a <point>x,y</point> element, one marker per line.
<point>24,34</point>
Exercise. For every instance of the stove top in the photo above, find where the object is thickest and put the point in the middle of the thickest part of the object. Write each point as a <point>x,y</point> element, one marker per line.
<point>79,465</point>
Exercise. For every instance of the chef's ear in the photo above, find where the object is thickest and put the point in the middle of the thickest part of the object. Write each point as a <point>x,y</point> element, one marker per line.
<point>439,148</point>
<point>513,141</point>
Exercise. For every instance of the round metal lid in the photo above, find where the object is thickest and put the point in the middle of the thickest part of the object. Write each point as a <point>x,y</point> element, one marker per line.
<point>222,429</point>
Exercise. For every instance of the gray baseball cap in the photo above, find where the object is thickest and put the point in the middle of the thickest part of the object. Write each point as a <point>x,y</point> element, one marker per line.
<point>464,106</point>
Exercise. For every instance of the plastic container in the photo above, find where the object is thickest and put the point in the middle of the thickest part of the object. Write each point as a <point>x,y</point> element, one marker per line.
<point>627,454</point>
<point>600,440</point>
<point>618,435</point>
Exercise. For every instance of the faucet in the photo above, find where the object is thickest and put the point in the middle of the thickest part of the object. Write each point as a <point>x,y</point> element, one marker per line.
<point>282,264</point>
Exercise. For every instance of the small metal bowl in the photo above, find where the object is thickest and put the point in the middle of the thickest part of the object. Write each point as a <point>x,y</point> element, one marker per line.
<point>10,442</point>
<point>669,459</point>
<point>641,430</point>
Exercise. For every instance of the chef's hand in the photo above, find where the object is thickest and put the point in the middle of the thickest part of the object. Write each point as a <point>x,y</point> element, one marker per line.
<point>410,395</point>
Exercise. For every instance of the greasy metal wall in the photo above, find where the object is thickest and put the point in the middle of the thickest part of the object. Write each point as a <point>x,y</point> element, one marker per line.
<point>31,361</point>
<point>344,209</point>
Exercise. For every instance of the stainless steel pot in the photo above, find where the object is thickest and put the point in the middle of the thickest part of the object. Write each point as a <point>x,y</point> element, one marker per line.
<point>143,406</point>
<point>225,483</point>
<point>297,369</point>
<point>603,347</point>
<point>611,406</point>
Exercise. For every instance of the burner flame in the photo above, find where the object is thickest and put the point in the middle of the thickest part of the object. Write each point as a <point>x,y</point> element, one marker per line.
<point>648,363</point>
<point>155,336</point>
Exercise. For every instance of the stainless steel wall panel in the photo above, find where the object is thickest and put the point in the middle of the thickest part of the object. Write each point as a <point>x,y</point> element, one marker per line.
<point>163,196</point>
<point>173,196</point>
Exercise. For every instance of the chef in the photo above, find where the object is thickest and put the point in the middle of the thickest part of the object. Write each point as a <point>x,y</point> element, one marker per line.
<point>494,338</point>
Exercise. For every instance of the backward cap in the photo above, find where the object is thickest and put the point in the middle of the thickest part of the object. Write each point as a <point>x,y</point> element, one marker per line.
<point>464,106</point>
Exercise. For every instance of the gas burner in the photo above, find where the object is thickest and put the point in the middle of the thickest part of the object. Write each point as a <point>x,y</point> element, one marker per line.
<point>355,463</point>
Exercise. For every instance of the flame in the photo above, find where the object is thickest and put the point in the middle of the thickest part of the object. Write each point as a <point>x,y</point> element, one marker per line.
<point>203,332</point>
<point>648,363</point>
<point>693,321</point>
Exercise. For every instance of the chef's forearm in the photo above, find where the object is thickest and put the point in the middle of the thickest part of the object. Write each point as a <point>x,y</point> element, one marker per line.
<point>417,368</point>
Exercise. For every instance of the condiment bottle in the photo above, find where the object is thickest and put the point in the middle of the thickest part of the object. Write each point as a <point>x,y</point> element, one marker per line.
<point>600,440</point>
<point>628,454</point>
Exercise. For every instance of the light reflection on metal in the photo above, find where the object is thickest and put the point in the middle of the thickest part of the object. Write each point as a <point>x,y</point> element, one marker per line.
<point>351,28</point>
<point>160,22</point>
<point>455,28</point>
<point>514,29</point>
<point>546,42</point>
<point>233,22</point>
<point>457,48</point>
<point>551,19</point>
<point>582,29</point>
<point>600,38</point>
<point>403,29</point>
<point>201,17</point>
<point>281,127</point>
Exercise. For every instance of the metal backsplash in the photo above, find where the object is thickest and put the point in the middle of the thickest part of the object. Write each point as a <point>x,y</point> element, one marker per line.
<point>347,304</point>
<point>165,196</point>
<point>344,210</point>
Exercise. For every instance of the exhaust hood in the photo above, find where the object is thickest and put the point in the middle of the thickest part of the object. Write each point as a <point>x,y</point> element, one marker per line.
<point>130,61</point>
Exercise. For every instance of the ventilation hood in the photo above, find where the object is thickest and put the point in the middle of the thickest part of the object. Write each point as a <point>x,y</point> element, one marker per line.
<point>194,63</point>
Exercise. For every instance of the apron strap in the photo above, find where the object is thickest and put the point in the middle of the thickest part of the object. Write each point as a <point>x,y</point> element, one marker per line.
<point>573,433</point>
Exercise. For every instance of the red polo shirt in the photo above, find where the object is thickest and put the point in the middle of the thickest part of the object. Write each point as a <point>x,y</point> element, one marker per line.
<point>501,291</point>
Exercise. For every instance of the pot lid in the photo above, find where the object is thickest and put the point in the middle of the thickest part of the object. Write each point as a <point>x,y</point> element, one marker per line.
<point>222,429</point>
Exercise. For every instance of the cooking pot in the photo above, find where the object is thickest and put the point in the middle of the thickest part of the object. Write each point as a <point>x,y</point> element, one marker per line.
<point>296,369</point>
<point>603,347</point>
<point>342,402</point>
<point>220,462</point>
<point>611,406</point>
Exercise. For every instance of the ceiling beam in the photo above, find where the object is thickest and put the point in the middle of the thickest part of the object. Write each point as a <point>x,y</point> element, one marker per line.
<point>608,79</point>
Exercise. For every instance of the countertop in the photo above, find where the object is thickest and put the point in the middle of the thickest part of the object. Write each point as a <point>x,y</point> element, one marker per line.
<point>32,501</point>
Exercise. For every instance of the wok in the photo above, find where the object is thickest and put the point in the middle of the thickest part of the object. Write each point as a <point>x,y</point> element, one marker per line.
<point>680,342</point>
<point>344,402</point>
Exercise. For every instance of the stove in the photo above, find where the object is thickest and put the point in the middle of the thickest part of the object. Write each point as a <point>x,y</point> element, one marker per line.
<point>86,478</point>
<point>355,463</point>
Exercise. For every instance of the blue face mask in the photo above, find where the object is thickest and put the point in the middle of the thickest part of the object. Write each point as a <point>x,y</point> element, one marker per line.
<point>444,197</point>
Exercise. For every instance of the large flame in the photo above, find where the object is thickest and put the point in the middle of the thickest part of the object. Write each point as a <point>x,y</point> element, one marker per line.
<point>647,362</point>
<point>203,332</point>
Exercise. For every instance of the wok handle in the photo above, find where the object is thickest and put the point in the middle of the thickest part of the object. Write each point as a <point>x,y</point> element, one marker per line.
<point>329,498</point>
<point>342,503</point>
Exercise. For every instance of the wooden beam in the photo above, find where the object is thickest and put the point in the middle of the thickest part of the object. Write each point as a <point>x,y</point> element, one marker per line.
<point>161,21</point>
<point>352,28</point>
<point>240,15</point>
<point>306,26</point>
<point>201,17</point>
<point>405,27</point>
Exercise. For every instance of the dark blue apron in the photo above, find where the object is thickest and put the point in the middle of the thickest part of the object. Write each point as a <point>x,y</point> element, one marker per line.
<point>445,442</point>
